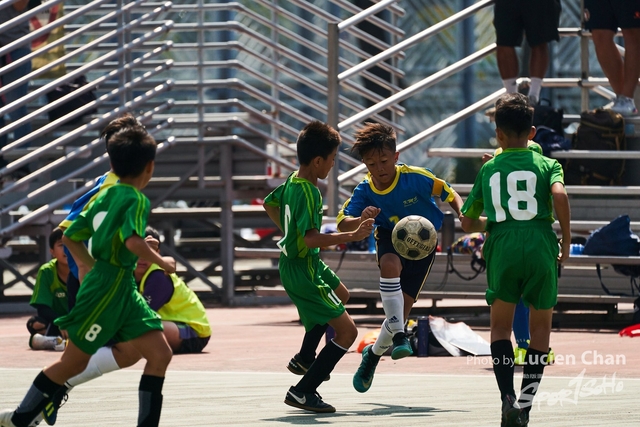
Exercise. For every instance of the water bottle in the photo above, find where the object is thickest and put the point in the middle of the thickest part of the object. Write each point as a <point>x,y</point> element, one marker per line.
<point>372,242</point>
<point>423,336</point>
<point>576,249</point>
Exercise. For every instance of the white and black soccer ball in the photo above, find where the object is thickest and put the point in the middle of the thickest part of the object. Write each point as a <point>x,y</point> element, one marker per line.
<point>414,237</point>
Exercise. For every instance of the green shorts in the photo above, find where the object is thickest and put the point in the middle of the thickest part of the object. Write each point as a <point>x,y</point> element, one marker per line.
<point>309,282</point>
<point>521,262</point>
<point>108,306</point>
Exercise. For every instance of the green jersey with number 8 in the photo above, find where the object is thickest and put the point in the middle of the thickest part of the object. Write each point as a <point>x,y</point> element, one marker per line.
<point>108,304</point>
<point>514,186</point>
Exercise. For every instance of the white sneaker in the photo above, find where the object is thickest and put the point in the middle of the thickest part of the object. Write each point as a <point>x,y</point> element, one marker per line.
<point>625,106</point>
<point>41,342</point>
<point>5,419</point>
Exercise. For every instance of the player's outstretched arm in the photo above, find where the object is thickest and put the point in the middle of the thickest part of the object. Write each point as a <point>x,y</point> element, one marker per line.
<point>352,223</point>
<point>456,204</point>
<point>314,239</point>
<point>139,247</point>
<point>563,213</point>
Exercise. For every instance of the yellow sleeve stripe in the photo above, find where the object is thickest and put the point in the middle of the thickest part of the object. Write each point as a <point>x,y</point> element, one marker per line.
<point>341,216</point>
<point>439,185</point>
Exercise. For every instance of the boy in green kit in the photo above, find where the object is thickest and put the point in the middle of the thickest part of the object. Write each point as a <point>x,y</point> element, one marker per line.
<point>518,190</point>
<point>108,304</point>
<point>296,208</point>
<point>50,292</point>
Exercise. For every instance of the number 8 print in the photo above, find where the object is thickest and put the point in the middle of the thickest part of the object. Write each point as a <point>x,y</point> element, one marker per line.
<point>93,332</point>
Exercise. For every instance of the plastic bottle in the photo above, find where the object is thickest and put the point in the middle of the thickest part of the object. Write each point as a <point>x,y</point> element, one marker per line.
<point>372,242</point>
<point>576,249</point>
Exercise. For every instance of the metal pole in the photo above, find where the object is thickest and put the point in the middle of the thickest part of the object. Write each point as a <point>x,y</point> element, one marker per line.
<point>584,61</point>
<point>333,113</point>
<point>467,47</point>
<point>226,225</point>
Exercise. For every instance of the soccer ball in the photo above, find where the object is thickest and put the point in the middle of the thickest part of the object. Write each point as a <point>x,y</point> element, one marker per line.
<point>414,237</point>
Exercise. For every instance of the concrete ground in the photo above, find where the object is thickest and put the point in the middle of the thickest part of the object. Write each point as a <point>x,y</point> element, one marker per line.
<point>241,380</point>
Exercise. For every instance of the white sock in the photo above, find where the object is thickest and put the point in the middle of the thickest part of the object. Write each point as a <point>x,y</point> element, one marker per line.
<point>100,363</point>
<point>392,303</point>
<point>534,88</point>
<point>384,340</point>
<point>510,85</point>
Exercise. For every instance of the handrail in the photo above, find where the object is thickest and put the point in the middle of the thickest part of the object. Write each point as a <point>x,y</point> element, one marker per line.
<point>50,207</point>
<point>298,58</point>
<point>74,74</point>
<point>88,166</point>
<point>87,107</point>
<point>70,76</point>
<point>363,15</point>
<point>356,31</point>
<point>95,123</point>
<point>420,37</point>
<point>394,8</point>
<point>86,88</point>
<point>322,50</point>
<point>421,85</point>
<point>62,40</point>
<point>24,16</point>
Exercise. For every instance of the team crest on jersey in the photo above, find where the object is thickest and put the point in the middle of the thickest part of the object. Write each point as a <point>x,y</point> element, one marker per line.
<point>410,202</point>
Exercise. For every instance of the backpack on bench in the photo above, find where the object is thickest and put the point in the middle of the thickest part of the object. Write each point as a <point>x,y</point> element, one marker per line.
<point>599,129</point>
<point>616,239</point>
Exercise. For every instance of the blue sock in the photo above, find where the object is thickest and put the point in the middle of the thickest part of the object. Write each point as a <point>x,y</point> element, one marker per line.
<point>521,325</point>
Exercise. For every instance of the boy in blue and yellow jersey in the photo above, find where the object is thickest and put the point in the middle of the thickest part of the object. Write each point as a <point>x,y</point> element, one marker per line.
<point>50,292</point>
<point>388,193</point>
<point>296,208</point>
<point>83,202</point>
<point>108,303</point>
<point>518,191</point>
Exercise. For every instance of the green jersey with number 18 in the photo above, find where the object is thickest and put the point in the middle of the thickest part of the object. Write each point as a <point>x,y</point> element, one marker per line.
<point>514,186</point>
<point>300,204</point>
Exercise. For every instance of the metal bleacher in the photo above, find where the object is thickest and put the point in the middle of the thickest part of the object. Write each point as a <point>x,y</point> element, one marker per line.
<point>225,87</point>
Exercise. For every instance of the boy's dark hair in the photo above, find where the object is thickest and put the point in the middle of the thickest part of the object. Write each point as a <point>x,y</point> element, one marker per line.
<point>316,139</point>
<point>374,136</point>
<point>150,231</point>
<point>514,114</point>
<point>130,150</point>
<point>55,235</point>
<point>127,120</point>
